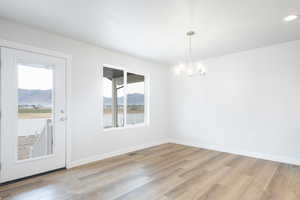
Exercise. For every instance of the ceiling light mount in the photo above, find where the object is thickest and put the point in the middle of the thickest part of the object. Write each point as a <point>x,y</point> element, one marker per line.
<point>190,33</point>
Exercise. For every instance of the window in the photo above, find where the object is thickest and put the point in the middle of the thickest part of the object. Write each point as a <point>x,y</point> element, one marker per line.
<point>113,98</point>
<point>123,98</point>
<point>35,111</point>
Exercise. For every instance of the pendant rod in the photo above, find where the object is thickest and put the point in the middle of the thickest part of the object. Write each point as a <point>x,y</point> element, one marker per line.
<point>190,34</point>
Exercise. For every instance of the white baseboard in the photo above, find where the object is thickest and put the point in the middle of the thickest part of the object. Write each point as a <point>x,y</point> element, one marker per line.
<point>96,158</point>
<point>281,159</point>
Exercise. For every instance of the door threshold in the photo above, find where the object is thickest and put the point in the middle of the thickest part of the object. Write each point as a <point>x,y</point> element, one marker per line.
<point>33,176</point>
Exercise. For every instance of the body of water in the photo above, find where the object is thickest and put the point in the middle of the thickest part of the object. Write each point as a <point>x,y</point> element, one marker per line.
<point>35,126</point>
<point>132,118</point>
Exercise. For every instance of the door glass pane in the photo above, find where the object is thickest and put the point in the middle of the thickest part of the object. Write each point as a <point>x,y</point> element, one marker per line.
<point>35,111</point>
<point>113,98</point>
<point>135,99</point>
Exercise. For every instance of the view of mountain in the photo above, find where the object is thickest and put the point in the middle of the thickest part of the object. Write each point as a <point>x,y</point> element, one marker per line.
<point>36,97</point>
<point>43,97</point>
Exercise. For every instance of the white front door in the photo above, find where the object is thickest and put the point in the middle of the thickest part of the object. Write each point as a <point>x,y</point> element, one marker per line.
<point>33,129</point>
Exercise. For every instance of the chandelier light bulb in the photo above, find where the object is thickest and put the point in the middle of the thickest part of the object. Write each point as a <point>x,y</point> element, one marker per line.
<point>190,72</point>
<point>201,69</point>
<point>199,66</point>
<point>290,18</point>
<point>179,69</point>
<point>202,72</point>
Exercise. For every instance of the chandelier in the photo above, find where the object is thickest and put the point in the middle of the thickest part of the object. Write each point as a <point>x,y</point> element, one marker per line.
<point>189,67</point>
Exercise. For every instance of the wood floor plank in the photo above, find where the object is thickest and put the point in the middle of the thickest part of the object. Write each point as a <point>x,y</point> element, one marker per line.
<point>204,183</point>
<point>280,186</point>
<point>165,172</point>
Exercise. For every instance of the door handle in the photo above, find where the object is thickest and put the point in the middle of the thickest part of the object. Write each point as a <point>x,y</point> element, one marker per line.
<point>62,119</point>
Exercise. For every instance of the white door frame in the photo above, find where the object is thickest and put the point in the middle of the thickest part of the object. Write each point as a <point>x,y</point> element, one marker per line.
<point>68,59</point>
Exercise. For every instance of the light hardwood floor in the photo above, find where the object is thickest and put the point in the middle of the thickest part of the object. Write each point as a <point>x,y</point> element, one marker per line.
<point>164,172</point>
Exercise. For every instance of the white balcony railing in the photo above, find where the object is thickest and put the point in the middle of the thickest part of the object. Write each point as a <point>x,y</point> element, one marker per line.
<point>44,143</point>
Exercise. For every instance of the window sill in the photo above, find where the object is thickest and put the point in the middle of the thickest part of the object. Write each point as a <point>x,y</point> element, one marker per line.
<point>126,127</point>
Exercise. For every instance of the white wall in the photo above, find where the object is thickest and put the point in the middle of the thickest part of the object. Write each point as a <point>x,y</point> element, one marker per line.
<point>249,103</point>
<point>89,142</point>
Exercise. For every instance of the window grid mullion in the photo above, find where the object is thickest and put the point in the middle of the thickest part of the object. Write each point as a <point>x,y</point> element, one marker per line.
<point>125,98</point>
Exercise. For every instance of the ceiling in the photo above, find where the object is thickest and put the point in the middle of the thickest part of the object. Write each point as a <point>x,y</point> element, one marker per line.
<point>155,29</point>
